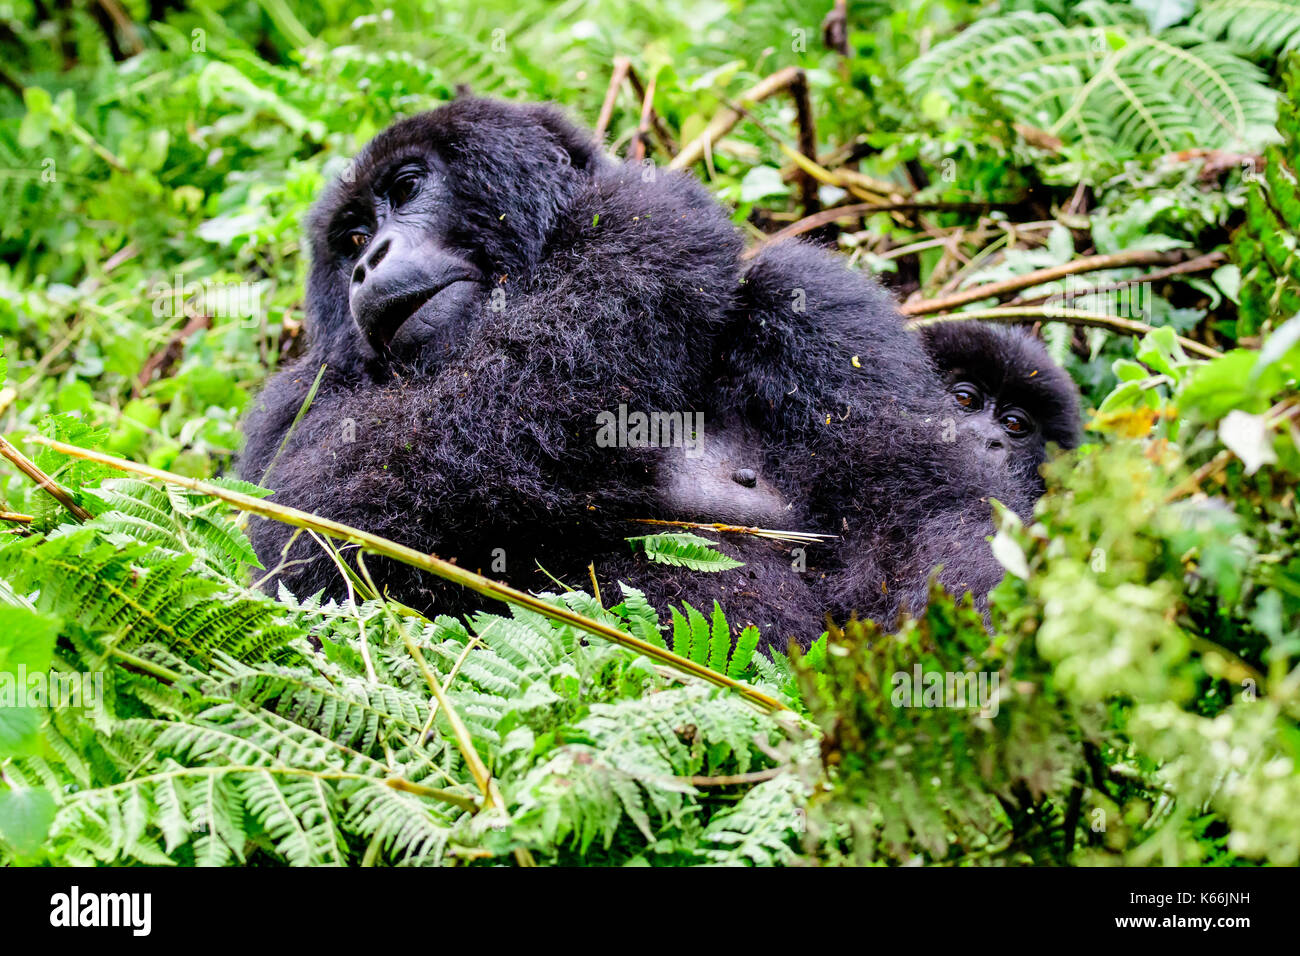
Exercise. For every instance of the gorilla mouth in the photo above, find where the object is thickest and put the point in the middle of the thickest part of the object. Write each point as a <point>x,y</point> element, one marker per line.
<point>421,305</point>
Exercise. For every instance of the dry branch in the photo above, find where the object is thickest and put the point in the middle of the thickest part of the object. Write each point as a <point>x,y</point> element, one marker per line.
<point>28,468</point>
<point>1096,320</point>
<point>991,290</point>
<point>1211,260</point>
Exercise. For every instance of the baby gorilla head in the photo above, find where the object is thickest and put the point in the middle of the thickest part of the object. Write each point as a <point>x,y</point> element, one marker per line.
<point>1008,392</point>
<point>436,211</point>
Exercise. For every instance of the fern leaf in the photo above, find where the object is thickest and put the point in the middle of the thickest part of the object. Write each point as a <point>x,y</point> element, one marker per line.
<point>743,653</point>
<point>684,550</point>
<point>720,643</point>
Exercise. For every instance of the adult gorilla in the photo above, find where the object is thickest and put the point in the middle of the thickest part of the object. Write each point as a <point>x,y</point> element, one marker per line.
<point>486,283</point>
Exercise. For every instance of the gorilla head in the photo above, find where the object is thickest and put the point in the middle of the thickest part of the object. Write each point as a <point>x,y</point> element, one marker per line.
<point>1008,392</point>
<point>483,286</point>
<point>407,245</point>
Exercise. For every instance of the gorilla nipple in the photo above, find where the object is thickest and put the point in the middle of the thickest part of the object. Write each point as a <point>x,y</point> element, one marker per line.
<point>745,476</point>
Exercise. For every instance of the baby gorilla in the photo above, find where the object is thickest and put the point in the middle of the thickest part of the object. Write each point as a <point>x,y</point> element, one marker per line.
<point>1009,394</point>
<point>485,283</point>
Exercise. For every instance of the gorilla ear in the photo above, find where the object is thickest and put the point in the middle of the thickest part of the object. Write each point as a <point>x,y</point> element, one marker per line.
<point>579,146</point>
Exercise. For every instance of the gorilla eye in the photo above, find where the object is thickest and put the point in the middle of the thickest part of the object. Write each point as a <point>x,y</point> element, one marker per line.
<point>358,238</point>
<point>404,187</point>
<point>1016,422</point>
<point>970,398</point>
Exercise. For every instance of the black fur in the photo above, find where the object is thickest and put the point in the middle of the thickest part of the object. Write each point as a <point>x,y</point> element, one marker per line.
<point>620,287</point>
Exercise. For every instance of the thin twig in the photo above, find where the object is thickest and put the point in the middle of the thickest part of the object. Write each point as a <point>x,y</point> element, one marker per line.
<point>807,141</point>
<point>806,537</point>
<point>991,290</point>
<point>1286,409</point>
<point>492,796</point>
<point>1210,260</point>
<point>858,210</point>
<point>621,66</point>
<point>28,468</point>
<point>727,118</point>
<point>1096,320</point>
<point>665,138</point>
<point>160,362</point>
<point>754,776</point>
<point>446,685</point>
<point>302,410</point>
<point>437,793</point>
<point>643,129</point>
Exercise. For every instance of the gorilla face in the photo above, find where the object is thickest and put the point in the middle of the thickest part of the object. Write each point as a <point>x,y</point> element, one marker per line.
<point>435,211</point>
<point>1008,392</point>
<point>410,287</point>
<point>1009,434</point>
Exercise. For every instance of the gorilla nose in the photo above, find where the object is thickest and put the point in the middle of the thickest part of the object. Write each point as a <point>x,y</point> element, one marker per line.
<point>371,260</point>
<point>395,279</point>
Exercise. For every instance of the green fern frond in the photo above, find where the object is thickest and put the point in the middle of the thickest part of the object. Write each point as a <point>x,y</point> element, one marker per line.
<point>639,616</point>
<point>174,519</point>
<point>684,550</point>
<point>1251,27</point>
<point>1111,90</point>
<point>130,591</point>
<point>762,829</point>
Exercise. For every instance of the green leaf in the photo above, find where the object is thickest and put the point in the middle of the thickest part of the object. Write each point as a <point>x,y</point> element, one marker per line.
<point>762,182</point>
<point>685,551</point>
<point>25,818</point>
<point>720,642</point>
<point>744,652</point>
<point>26,639</point>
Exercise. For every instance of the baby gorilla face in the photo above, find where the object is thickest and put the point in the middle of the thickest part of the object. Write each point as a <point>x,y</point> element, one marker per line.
<point>1008,433</point>
<point>410,289</point>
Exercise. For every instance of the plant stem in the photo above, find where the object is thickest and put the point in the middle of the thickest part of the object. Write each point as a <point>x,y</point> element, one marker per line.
<point>427,562</point>
<point>990,290</point>
<point>28,468</point>
<point>1096,320</point>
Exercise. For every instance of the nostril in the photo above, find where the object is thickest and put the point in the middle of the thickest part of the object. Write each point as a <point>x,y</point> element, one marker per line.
<point>358,274</point>
<point>377,254</point>
<point>995,444</point>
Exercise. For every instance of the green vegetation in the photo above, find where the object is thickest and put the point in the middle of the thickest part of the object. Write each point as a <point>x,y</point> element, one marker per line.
<point>1145,642</point>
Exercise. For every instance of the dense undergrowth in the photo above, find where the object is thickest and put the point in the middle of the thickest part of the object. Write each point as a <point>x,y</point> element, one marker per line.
<point>1145,642</point>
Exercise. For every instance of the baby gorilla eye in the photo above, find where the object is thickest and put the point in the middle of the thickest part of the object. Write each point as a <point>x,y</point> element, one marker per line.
<point>1016,422</point>
<point>968,396</point>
